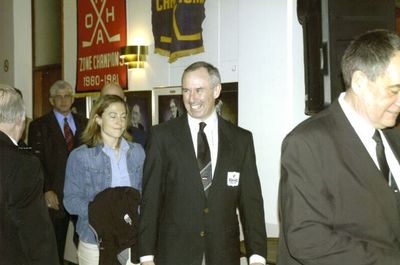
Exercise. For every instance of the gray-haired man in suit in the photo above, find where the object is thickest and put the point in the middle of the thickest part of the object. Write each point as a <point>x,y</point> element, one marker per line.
<point>26,234</point>
<point>188,216</point>
<point>52,137</point>
<point>339,198</point>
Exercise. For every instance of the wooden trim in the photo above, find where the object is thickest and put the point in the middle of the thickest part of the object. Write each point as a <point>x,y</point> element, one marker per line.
<point>47,67</point>
<point>62,39</point>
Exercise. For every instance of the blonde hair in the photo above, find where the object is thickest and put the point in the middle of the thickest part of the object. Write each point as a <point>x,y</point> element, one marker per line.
<point>91,136</point>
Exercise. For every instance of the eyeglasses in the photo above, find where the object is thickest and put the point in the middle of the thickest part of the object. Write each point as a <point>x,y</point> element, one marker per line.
<point>60,97</point>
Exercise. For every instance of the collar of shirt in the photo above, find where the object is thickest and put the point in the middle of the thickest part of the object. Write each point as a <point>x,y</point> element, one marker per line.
<point>365,131</point>
<point>211,131</point>
<point>119,170</point>
<point>363,128</point>
<point>123,148</point>
<point>60,119</point>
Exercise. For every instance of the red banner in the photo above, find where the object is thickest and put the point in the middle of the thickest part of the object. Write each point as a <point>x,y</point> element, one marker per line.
<point>101,32</point>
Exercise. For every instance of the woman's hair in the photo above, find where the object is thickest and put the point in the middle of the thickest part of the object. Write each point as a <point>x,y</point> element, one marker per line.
<point>91,136</point>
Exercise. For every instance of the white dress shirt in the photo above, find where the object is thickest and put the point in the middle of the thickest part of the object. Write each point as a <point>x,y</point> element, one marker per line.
<point>211,131</point>
<point>60,119</point>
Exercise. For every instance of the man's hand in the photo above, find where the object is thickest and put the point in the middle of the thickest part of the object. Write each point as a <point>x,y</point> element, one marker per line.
<point>51,200</point>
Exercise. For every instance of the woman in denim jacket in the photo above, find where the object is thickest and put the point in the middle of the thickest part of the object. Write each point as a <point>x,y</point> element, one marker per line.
<point>105,160</point>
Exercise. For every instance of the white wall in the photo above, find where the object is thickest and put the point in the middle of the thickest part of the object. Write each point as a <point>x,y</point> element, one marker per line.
<point>70,41</point>
<point>47,32</point>
<point>255,42</point>
<point>15,47</point>
<point>271,87</point>
<point>6,41</point>
<point>23,50</point>
<point>262,90</point>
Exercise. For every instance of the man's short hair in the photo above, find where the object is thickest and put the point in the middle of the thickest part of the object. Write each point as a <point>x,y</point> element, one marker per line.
<point>58,85</point>
<point>12,106</point>
<point>370,53</point>
<point>215,77</point>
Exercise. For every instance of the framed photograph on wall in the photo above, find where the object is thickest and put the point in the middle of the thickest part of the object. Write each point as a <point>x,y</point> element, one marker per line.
<point>168,103</point>
<point>90,100</point>
<point>80,107</point>
<point>139,103</point>
<point>227,102</point>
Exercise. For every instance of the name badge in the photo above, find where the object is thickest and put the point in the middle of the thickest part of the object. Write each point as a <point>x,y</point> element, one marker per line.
<point>233,179</point>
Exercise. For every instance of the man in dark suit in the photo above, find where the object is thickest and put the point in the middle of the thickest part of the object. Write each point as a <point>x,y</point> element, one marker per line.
<point>26,236</point>
<point>52,137</point>
<point>188,217</point>
<point>339,196</point>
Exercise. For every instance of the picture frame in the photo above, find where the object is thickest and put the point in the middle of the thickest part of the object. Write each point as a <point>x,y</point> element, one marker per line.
<point>227,102</point>
<point>90,100</point>
<point>140,108</point>
<point>168,103</point>
<point>80,106</point>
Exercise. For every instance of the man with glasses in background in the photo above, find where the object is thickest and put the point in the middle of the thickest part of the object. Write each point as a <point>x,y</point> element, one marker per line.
<point>52,137</point>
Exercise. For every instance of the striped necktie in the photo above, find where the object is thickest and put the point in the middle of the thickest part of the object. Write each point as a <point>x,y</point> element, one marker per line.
<point>69,136</point>
<point>204,158</point>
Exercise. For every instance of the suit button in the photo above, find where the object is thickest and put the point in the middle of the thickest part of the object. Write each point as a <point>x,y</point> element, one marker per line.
<point>206,210</point>
<point>202,233</point>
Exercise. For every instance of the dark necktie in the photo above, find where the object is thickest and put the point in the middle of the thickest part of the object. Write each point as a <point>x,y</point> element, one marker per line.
<point>380,153</point>
<point>204,158</point>
<point>69,136</point>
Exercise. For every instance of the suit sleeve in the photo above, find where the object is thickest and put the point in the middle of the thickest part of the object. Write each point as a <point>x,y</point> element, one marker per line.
<point>36,141</point>
<point>150,208</point>
<point>308,211</point>
<point>30,215</point>
<point>251,205</point>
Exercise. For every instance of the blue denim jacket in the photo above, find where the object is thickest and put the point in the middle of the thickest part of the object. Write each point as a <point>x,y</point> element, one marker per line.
<point>88,173</point>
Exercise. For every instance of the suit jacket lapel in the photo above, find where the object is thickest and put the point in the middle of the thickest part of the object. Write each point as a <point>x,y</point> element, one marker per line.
<point>4,137</point>
<point>55,127</point>
<point>393,137</point>
<point>356,157</point>
<point>56,130</point>
<point>223,158</point>
<point>185,146</point>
